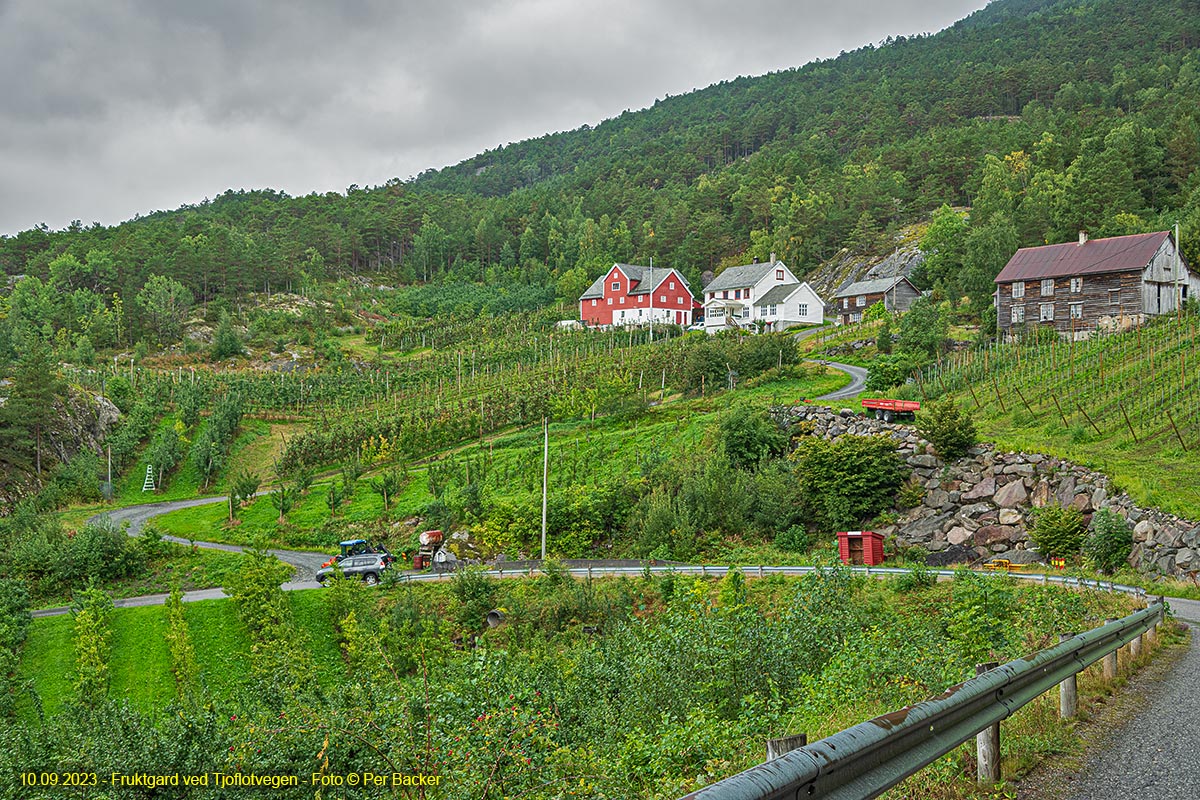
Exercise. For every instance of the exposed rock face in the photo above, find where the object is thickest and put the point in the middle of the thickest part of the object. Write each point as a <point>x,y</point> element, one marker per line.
<point>980,503</point>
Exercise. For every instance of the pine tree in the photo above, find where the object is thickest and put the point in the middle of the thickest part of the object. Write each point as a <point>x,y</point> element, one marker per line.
<point>30,408</point>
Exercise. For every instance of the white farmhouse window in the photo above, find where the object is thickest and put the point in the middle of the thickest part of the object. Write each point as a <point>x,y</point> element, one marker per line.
<point>671,285</point>
<point>662,297</point>
<point>616,286</point>
<point>860,301</point>
<point>1018,289</point>
<point>712,295</point>
<point>725,295</point>
<point>622,314</point>
<point>846,303</point>
<point>1018,314</point>
<point>1076,285</point>
<point>747,294</point>
<point>610,301</point>
<point>771,310</point>
<point>1046,312</point>
<point>680,300</point>
<point>778,274</point>
<point>593,302</point>
<point>1114,297</point>
<point>1047,287</point>
<point>622,299</point>
<point>856,317</point>
<point>804,309</point>
<point>737,294</point>
<point>716,311</point>
<point>1076,310</point>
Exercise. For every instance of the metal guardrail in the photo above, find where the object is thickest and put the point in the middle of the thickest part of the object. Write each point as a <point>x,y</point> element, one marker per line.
<point>867,759</point>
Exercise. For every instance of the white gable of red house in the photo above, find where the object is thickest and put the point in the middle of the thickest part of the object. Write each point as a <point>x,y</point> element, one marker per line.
<point>623,296</point>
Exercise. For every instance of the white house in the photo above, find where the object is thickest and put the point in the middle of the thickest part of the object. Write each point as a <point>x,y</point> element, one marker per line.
<point>766,293</point>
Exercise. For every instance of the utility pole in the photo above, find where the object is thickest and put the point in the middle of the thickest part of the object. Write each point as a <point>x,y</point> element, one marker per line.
<point>652,298</point>
<point>545,477</point>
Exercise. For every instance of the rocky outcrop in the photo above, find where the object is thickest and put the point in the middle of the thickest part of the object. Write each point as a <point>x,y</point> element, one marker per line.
<point>981,503</point>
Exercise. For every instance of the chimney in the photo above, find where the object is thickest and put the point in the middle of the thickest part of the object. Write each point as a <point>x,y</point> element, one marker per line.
<point>772,258</point>
<point>1082,238</point>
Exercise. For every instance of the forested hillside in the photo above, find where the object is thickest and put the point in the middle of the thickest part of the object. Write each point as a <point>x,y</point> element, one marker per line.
<point>1044,117</point>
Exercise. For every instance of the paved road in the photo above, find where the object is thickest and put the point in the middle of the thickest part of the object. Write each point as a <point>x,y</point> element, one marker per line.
<point>858,375</point>
<point>1156,754</point>
<point>305,563</point>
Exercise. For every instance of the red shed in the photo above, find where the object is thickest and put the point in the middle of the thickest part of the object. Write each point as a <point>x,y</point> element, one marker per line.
<point>860,547</point>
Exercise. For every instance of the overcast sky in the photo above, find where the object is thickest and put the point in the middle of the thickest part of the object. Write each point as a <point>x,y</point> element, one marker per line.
<point>119,107</point>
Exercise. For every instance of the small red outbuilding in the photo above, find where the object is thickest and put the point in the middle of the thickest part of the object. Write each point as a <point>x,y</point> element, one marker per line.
<point>860,547</point>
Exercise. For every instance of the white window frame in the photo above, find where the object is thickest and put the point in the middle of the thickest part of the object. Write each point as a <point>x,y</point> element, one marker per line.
<point>622,299</point>
<point>860,301</point>
<point>593,303</point>
<point>616,286</point>
<point>1076,310</point>
<point>716,311</point>
<point>1046,312</point>
<point>680,300</point>
<point>1047,287</point>
<point>772,310</point>
<point>845,302</point>
<point>662,298</point>
<point>1076,285</point>
<point>1018,289</point>
<point>1114,297</point>
<point>609,301</point>
<point>804,309</point>
<point>1018,315</point>
<point>671,285</point>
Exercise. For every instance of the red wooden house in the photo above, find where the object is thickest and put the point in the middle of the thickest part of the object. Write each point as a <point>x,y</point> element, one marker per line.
<point>631,295</point>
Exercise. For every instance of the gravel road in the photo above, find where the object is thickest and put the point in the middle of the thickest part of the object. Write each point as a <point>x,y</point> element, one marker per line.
<point>1156,754</point>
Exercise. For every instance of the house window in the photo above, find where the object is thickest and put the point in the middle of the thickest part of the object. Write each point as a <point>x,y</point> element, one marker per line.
<point>1018,289</point>
<point>1076,310</point>
<point>641,299</point>
<point>778,274</point>
<point>1046,312</point>
<point>1047,287</point>
<point>1114,297</point>
<point>622,299</point>
<point>616,286</point>
<point>1018,314</point>
<point>679,300</point>
<point>671,285</point>
<point>737,294</point>
<point>860,301</point>
<point>610,301</point>
<point>747,294</point>
<point>846,303</point>
<point>771,310</point>
<point>856,316</point>
<point>662,298</point>
<point>1076,285</point>
<point>725,295</point>
<point>804,309</point>
<point>622,314</point>
<point>716,311</point>
<point>593,303</point>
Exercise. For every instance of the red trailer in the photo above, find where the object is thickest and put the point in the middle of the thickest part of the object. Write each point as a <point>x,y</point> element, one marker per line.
<point>860,547</point>
<point>887,409</point>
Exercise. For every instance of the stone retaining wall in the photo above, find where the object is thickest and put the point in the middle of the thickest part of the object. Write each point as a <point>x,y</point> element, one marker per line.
<point>979,506</point>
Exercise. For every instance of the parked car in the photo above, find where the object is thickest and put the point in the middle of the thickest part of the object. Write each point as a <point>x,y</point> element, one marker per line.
<point>368,566</point>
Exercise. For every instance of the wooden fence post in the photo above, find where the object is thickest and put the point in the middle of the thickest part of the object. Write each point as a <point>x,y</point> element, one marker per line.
<point>987,742</point>
<point>1109,662</point>
<point>785,744</point>
<point>1068,693</point>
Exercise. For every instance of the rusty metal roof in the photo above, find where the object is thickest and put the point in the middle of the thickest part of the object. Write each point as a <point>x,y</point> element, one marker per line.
<point>1116,254</point>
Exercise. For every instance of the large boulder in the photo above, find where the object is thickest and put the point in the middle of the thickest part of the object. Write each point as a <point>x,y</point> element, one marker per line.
<point>954,554</point>
<point>982,491</point>
<point>1011,495</point>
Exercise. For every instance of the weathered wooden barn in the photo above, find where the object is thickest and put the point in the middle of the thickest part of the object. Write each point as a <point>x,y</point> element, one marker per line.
<point>1079,288</point>
<point>896,293</point>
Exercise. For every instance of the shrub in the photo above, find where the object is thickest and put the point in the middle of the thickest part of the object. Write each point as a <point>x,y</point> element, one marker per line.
<point>476,595</point>
<point>794,539</point>
<point>1107,548</point>
<point>93,634</point>
<point>950,429</point>
<point>847,480</point>
<point>750,436</point>
<point>1058,532</point>
<point>910,495</point>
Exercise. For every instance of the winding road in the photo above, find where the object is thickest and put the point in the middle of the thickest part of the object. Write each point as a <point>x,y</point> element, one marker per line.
<point>858,375</point>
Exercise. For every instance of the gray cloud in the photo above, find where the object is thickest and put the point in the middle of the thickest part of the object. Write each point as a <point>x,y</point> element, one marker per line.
<point>123,107</point>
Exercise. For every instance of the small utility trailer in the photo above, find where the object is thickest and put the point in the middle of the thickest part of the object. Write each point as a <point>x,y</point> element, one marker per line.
<point>889,410</point>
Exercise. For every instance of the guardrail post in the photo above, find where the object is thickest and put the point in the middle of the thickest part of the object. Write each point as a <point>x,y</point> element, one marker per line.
<point>1109,662</point>
<point>987,742</point>
<point>1068,692</point>
<point>785,744</point>
<point>1135,646</point>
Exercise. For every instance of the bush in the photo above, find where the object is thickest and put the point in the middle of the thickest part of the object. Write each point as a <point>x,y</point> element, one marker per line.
<point>100,551</point>
<point>794,539</point>
<point>750,436</point>
<point>1107,548</point>
<point>847,480</point>
<point>1058,532</point>
<point>950,429</point>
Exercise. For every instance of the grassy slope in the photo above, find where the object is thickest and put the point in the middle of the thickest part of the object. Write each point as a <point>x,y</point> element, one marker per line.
<point>614,447</point>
